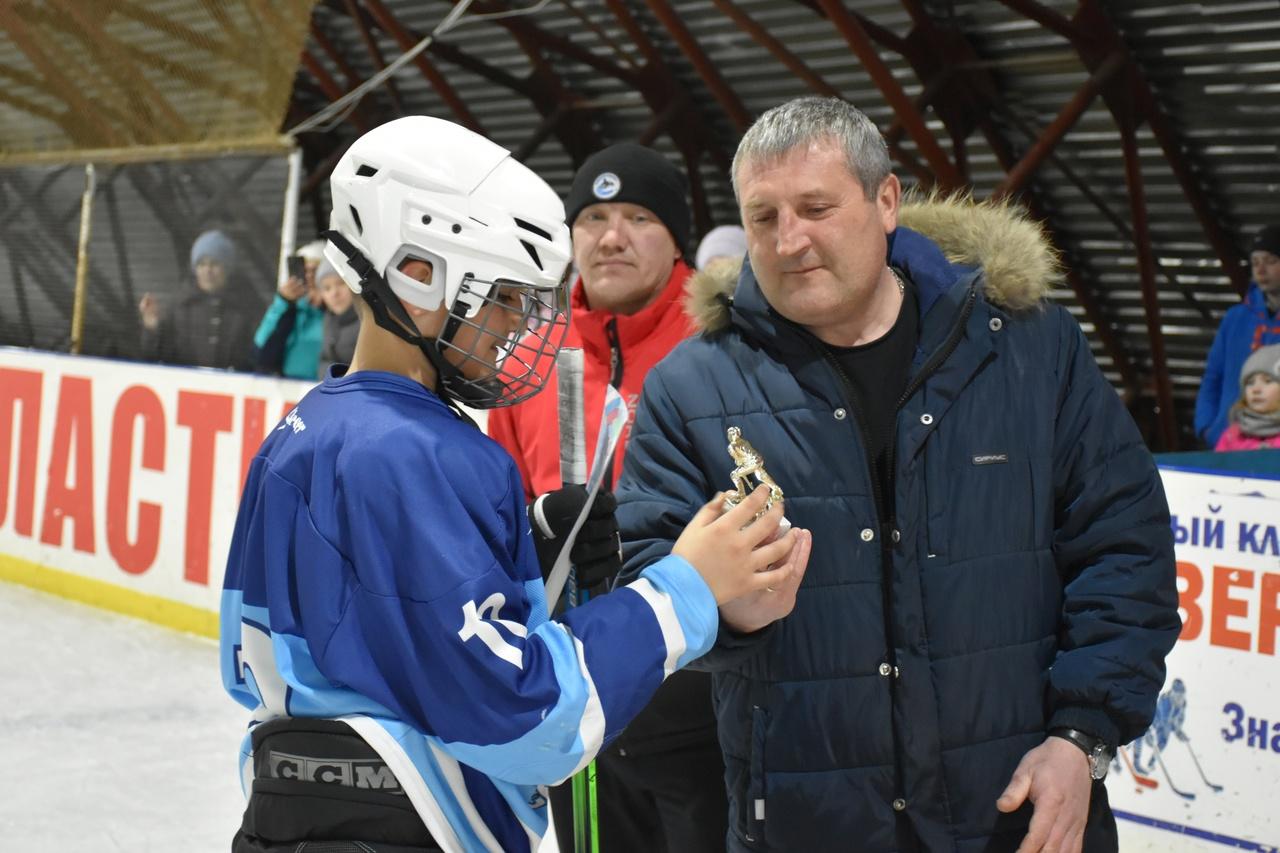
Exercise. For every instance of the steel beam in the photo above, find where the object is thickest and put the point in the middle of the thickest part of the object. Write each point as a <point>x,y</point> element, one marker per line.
<point>774,45</point>
<point>392,27</point>
<point>948,177</point>
<point>1150,300</point>
<point>1057,129</point>
<point>733,107</point>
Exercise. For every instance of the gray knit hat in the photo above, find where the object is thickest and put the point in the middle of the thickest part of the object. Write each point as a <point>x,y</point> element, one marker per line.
<point>1263,360</point>
<point>216,246</point>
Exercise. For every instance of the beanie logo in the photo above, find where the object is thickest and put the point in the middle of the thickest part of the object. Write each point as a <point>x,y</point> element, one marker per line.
<point>606,186</point>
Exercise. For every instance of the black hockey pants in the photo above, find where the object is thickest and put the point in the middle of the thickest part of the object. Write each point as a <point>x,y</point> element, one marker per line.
<point>319,788</point>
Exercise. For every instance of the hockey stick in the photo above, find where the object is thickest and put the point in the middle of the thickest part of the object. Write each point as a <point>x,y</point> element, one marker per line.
<point>1186,795</point>
<point>573,469</point>
<point>1145,781</point>
<point>1187,743</point>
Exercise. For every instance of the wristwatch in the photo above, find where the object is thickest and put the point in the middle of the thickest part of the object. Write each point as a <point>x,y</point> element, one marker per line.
<point>1100,755</point>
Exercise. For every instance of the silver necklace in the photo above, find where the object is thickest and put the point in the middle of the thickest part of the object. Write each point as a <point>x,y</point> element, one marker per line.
<point>902,287</point>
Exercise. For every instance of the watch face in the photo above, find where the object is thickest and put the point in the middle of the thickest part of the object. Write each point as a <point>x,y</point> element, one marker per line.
<point>1099,762</point>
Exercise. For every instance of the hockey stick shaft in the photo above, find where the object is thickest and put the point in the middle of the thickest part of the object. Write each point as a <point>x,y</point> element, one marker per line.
<point>573,469</point>
<point>1146,781</point>
<point>1199,769</point>
<point>1186,795</point>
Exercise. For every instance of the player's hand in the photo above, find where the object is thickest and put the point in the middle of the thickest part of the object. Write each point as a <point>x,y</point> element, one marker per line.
<point>292,289</point>
<point>597,552</point>
<point>149,312</point>
<point>755,610</point>
<point>1055,778</point>
<point>729,550</point>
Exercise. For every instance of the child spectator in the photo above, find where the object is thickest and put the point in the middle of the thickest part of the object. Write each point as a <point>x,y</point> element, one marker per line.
<point>1255,418</point>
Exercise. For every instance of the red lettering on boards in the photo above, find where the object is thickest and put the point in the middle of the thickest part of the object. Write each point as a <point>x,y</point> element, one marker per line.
<point>72,430</point>
<point>19,387</point>
<point>1225,603</point>
<point>137,403</point>
<point>205,415</point>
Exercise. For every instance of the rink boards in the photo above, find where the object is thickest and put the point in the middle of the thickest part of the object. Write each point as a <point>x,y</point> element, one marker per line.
<point>119,483</point>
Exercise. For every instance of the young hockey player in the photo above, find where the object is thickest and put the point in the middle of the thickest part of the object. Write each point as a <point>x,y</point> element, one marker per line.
<point>383,614</point>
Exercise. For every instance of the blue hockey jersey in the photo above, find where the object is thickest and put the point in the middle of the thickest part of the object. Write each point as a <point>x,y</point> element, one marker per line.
<point>382,572</point>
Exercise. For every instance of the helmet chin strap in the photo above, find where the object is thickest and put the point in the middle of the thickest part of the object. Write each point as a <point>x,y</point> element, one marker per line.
<point>390,314</point>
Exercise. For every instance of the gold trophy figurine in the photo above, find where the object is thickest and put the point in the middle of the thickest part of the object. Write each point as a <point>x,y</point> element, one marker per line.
<point>750,464</point>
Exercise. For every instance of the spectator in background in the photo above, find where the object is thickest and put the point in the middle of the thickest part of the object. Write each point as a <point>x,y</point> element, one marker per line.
<point>660,783</point>
<point>341,322</point>
<point>1244,329</point>
<point>728,242</point>
<point>211,326</point>
<point>291,333</point>
<point>1255,418</point>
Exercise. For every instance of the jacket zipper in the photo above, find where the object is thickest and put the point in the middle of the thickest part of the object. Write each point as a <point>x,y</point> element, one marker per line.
<point>615,379</point>
<point>615,353</point>
<point>931,365</point>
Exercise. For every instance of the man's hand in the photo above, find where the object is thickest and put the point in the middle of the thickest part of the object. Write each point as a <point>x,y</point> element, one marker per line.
<point>755,610</point>
<point>1055,777</point>
<point>292,289</point>
<point>597,552</point>
<point>739,557</point>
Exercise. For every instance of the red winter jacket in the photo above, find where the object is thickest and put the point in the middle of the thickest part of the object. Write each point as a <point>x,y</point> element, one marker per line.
<point>680,713</point>
<point>618,350</point>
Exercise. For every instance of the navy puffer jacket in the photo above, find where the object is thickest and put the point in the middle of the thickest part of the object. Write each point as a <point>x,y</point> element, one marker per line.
<point>1027,581</point>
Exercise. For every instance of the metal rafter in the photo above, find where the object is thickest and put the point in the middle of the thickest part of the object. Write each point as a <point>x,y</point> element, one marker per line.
<point>775,46</point>
<point>702,64</point>
<point>375,54</point>
<point>552,42</point>
<point>1150,299</point>
<point>1048,18</point>
<point>392,27</point>
<point>449,53</point>
<point>659,86</point>
<point>1091,194</point>
<point>335,56</point>
<point>1094,36</point>
<point>943,56</point>
<point>331,89</point>
<point>548,92</point>
<point>1049,138</point>
<point>882,36</point>
<point>1138,95</point>
<point>855,34</point>
<point>600,33</point>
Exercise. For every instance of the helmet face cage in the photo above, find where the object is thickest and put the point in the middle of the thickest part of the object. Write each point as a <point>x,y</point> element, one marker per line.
<point>516,364</point>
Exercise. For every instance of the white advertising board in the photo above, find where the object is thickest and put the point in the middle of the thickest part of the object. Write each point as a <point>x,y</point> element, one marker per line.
<point>1204,777</point>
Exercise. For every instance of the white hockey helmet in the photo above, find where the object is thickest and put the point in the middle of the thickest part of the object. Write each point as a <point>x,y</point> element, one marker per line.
<point>425,188</point>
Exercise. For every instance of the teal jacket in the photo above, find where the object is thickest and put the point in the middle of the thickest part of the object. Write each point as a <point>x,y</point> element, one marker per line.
<point>301,325</point>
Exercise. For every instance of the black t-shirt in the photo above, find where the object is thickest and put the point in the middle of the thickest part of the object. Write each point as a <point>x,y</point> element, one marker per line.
<point>877,374</point>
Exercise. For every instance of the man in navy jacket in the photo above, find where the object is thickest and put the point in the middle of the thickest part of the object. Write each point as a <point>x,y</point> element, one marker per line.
<point>991,594</point>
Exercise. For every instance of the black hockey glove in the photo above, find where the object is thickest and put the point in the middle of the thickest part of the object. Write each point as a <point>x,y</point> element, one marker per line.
<point>597,552</point>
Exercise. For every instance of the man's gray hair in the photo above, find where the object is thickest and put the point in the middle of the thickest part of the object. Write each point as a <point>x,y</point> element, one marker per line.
<point>811,119</point>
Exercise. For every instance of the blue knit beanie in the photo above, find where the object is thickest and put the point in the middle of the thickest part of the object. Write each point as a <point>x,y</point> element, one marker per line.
<point>216,246</point>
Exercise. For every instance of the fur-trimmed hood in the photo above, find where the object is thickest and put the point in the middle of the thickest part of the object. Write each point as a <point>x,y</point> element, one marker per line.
<point>1019,264</point>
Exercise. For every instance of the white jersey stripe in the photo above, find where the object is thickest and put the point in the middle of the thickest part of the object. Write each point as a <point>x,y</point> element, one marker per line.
<point>453,775</point>
<point>591,729</point>
<point>664,611</point>
<point>410,779</point>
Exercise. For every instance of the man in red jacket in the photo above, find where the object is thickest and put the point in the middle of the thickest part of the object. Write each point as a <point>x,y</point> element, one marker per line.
<point>661,784</point>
